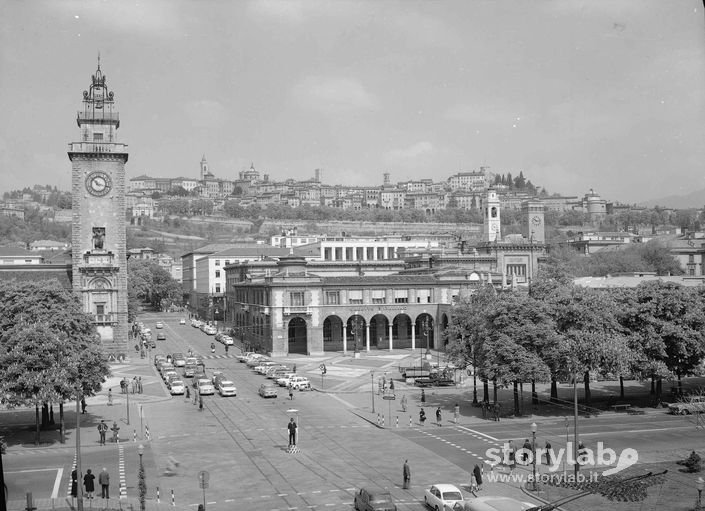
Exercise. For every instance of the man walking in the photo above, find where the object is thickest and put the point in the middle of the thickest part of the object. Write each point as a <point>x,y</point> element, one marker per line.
<point>438,416</point>
<point>102,429</point>
<point>104,480</point>
<point>407,475</point>
<point>292,432</point>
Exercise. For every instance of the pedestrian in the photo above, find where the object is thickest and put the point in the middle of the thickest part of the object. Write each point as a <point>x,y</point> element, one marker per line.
<point>292,431</point>
<point>512,457</point>
<point>123,386</point>
<point>391,385</point>
<point>102,429</point>
<point>484,409</point>
<point>438,416</point>
<point>422,417</point>
<point>83,405</point>
<point>582,454</point>
<point>226,349</point>
<point>110,397</point>
<point>407,475</point>
<point>139,385</point>
<point>294,368</point>
<point>115,429</point>
<point>403,403</point>
<point>188,393</point>
<point>74,483</point>
<point>200,402</point>
<point>423,396</point>
<point>89,484</point>
<point>526,449</point>
<point>104,480</point>
<point>291,391</point>
<point>477,476</point>
<point>456,413</point>
<point>497,411</point>
<point>134,385</point>
<point>549,454</point>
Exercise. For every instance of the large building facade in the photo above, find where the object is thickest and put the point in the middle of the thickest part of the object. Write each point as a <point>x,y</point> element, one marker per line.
<point>98,233</point>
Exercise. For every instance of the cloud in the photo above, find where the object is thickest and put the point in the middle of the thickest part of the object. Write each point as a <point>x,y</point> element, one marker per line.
<point>205,113</point>
<point>411,155</point>
<point>333,95</point>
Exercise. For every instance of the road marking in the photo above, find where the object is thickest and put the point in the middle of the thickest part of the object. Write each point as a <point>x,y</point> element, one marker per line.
<point>29,470</point>
<point>57,483</point>
<point>493,439</point>
<point>629,431</point>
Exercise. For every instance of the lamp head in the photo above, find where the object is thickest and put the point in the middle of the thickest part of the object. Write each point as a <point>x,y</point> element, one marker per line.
<point>700,483</point>
<point>140,449</point>
<point>534,427</point>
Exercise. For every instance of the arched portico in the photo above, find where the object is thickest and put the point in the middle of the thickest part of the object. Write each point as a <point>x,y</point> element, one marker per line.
<point>402,334</point>
<point>357,332</point>
<point>425,327</point>
<point>332,334</point>
<point>379,332</point>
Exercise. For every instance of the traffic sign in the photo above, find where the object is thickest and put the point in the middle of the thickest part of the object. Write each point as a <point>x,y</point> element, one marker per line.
<point>388,397</point>
<point>203,477</point>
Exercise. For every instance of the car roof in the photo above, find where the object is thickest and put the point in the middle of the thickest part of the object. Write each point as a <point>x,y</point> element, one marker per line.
<point>226,383</point>
<point>447,487</point>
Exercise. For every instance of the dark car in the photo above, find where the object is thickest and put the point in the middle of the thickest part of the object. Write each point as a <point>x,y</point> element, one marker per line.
<point>367,499</point>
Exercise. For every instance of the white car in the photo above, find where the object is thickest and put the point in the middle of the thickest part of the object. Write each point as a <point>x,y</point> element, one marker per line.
<point>205,387</point>
<point>210,330</point>
<point>195,323</point>
<point>299,383</point>
<point>490,503</point>
<point>159,325</point>
<point>442,496</point>
<point>227,388</point>
<point>177,388</point>
<point>182,321</point>
<point>227,340</point>
<point>284,380</point>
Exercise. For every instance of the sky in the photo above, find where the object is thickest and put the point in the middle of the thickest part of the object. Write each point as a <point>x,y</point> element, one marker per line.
<point>606,95</point>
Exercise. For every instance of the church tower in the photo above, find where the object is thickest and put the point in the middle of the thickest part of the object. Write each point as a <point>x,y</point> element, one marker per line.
<point>204,168</point>
<point>98,232</point>
<point>491,230</point>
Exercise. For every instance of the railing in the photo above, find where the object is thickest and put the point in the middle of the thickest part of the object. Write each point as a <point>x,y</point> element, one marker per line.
<point>302,309</point>
<point>97,147</point>
<point>104,318</point>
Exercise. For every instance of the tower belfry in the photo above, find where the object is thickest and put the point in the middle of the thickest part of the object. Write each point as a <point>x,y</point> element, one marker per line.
<point>98,231</point>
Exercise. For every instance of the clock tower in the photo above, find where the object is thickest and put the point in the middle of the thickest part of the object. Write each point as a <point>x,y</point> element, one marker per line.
<point>491,224</point>
<point>533,221</point>
<point>98,231</point>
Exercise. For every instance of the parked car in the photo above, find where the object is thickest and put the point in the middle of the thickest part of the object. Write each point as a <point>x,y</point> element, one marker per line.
<point>273,368</point>
<point>300,383</point>
<point>688,405</point>
<point>196,323</point>
<point>205,387</point>
<point>169,373</point>
<point>227,340</point>
<point>267,390</point>
<point>159,325</point>
<point>255,361</point>
<point>261,368</point>
<point>278,373</point>
<point>217,375</point>
<point>245,356</point>
<point>284,380</point>
<point>227,388</point>
<point>149,342</point>
<point>182,321</point>
<point>165,366</point>
<point>369,499</point>
<point>161,336</point>
<point>490,503</point>
<point>177,387</point>
<point>210,330</point>
<point>178,359</point>
<point>189,370</point>
<point>442,496</point>
<point>158,359</point>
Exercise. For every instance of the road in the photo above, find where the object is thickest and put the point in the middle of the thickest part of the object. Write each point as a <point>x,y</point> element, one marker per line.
<point>242,441</point>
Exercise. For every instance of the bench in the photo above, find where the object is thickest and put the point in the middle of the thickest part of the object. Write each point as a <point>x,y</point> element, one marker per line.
<point>621,406</point>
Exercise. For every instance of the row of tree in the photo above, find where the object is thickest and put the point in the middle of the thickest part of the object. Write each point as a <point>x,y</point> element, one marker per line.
<point>50,351</point>
<point>560,331</point>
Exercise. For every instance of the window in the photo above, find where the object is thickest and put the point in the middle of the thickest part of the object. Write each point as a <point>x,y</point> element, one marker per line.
<point>327,254</point>
<point>355,296</point>
<point>378,296</point>
<point>332,297</point>
<point>97,137</point>
<point>217,262</point>
<point>100,309</point>
<point>401,296</point>
<point>423,296</point>
<point>227,262</point>
<point>217,274</point>
<point>691,258</point>
<point>217,288</point>
<point>296,298</point>
<point>516,269</point>
<point>691,272</point>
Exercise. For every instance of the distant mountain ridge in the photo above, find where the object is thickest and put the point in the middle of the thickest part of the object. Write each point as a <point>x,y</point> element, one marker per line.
<point>694,199</point>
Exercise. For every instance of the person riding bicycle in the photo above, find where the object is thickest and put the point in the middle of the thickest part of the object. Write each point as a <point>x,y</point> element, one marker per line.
<point>212,347</point>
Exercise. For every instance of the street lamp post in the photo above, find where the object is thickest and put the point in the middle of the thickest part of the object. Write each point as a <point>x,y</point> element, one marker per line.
<point>533,454</point>
<point>372,390</point>
<point>699,485</point>
<point>426,331</point>
<point>474,380</point>
<point>142,489</point>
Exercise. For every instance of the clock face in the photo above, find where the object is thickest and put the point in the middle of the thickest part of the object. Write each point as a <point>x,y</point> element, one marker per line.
<point>98,184</point>
<point>536,220</point>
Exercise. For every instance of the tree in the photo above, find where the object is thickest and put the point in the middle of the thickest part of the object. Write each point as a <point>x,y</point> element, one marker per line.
<point>49,348</point>
<point>149,282</point>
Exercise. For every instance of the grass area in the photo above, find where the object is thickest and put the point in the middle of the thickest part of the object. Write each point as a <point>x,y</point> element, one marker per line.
<point>675,491</point>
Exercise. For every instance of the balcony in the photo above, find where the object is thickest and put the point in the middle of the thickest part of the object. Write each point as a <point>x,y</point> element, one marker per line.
<point>105,319</point>
<point>99,116</point>
<point>97,147</point>
<point>300,309</point>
